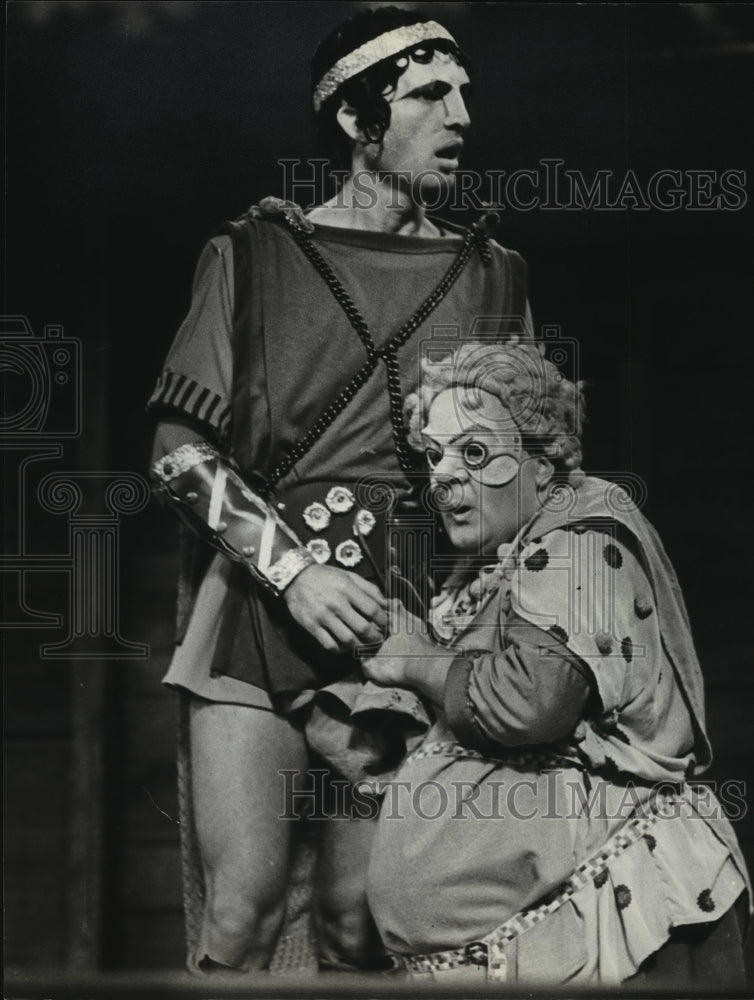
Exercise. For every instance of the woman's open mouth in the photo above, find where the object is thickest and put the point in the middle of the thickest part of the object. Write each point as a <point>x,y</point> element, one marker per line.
<point>461,513</point>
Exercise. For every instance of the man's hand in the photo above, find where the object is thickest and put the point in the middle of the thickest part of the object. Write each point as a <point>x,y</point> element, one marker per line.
<point>340,609</point>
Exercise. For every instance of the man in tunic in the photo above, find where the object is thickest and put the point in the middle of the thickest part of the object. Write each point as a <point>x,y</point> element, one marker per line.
<point>282,390</point>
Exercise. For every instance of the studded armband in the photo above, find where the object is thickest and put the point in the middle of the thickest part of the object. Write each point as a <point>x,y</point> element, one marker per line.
<point>217,504</point>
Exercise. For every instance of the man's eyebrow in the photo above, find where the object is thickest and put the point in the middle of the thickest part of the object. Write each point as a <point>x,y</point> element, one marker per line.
<point>429,85</point>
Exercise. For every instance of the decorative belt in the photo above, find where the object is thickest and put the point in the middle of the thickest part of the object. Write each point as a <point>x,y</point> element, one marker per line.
<point>542,760</point>
<point>490,950</point>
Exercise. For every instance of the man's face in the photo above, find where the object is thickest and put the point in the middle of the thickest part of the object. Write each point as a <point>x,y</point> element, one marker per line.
<point>428,117</point>
<point>486,483</point>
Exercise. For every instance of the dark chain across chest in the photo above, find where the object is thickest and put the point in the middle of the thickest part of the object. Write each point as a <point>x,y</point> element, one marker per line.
<point>475,240</point>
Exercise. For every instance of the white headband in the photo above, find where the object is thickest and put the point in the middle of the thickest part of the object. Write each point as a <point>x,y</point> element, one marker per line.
<point>374,51</point>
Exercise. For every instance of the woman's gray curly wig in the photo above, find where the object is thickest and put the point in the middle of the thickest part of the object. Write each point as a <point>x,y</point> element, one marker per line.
<point>546,407</point>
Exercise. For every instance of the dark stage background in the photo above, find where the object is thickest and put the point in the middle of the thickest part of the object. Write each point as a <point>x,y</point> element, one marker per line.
<point>133,130</point>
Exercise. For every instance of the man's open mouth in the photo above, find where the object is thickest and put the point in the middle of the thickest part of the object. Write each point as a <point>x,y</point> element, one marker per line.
<point>450,152</point>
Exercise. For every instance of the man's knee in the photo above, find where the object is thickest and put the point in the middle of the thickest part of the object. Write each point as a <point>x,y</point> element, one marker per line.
<point>242,920</point>
<point>241,915</point>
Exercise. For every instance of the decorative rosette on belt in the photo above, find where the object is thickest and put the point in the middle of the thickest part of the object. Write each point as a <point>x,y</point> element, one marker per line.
<point>340,499</point>
<point>319,549</point>
<point>349,553</point>
<point>317,516</point>
<point>363,522</point>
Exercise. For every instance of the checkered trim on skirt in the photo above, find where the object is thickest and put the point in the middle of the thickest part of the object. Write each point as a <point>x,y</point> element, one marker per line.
<point>447,748</point>
<point>490,950</point>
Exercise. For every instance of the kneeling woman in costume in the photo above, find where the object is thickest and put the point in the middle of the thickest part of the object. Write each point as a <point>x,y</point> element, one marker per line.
<point>546,829</point>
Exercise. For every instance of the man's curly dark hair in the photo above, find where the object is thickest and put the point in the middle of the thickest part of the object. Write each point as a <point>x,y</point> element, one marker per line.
<point>365,92</point>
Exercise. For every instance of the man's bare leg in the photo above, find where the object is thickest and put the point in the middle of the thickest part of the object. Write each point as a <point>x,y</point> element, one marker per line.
<point>236,755</point>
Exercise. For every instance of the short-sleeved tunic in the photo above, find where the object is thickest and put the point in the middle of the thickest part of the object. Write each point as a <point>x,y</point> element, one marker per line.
<point>264,349</point>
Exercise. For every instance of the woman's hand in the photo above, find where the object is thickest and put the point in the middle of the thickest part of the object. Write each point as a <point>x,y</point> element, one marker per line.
<point>402,623</point>
<point>385,669</point>
<point>408,657</point>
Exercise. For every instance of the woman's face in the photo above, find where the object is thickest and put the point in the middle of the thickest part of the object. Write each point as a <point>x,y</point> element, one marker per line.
<point>486,484</point>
